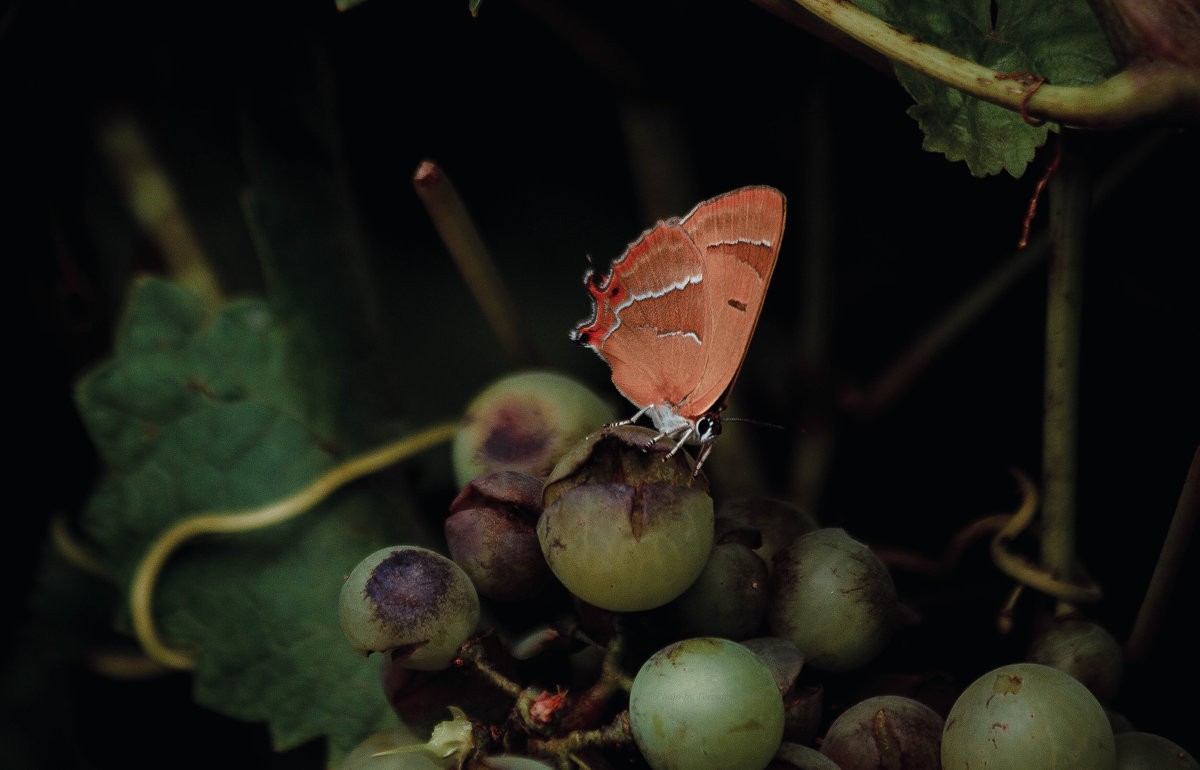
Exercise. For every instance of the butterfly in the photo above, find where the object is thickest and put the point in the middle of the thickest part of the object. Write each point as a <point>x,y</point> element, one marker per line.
<point>674,315</point>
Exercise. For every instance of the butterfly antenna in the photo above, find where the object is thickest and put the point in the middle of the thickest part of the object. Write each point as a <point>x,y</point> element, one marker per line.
<point>752,422</point>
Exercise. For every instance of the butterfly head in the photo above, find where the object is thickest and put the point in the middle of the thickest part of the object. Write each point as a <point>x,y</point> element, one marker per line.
<point>707,427</point>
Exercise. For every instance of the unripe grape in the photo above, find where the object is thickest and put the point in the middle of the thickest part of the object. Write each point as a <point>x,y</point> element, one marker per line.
<point>525,422</point>
<point>833,598</point>
<point>1145,751</point>
<point>410,601</point>
<point>1027,715</point>
<point>706,704</point>
<point>1086,651</point>
<point>728,599</point>
<point>622,529</point>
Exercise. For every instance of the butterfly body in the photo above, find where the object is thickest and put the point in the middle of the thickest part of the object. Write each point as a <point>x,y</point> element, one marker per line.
<point>675,313</point>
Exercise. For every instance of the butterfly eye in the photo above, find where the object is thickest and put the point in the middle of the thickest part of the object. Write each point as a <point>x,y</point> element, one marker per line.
<point>708,427</point>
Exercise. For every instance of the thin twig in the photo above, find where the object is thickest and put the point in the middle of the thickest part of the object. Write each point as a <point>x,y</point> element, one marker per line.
<point>462,239</point>
<point>1170,561</point>
<point>963,314</point>
<point>151,197</point>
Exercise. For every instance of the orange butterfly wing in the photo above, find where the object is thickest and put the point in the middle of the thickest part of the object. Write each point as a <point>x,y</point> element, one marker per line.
<point>650,317</point>
<point>675,314</point>
<point>739,235</point>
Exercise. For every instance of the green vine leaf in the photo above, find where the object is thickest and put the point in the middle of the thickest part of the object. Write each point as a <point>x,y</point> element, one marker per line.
<point>199,412</point>
<point>1061,41</point>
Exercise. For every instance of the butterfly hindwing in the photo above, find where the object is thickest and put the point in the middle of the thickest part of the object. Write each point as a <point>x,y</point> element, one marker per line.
<point>738,235</point>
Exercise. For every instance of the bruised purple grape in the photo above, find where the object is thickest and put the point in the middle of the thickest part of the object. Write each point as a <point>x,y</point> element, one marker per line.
<point>525,422</point>
<point>887,731</point>
<point>778,522</point>
<point>409,601</point>
<point>490,533</point>
<point>833,598</point>
<point>1086,651</point>
<point>622,529</point>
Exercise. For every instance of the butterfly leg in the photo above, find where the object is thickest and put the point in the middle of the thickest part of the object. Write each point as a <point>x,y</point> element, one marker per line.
<point>679,436</point>
<point>700,458</point>
<point>630,420</point>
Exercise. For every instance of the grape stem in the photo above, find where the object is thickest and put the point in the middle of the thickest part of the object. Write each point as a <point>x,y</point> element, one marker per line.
<point>472,654</point>
<point>618,731</point>
<point>141,592</point>
<point>586,707</point>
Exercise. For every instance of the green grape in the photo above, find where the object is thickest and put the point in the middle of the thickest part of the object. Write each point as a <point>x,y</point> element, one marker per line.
<point>833,598</point>
<point>1146,751</point>
<point>410,601</point>
<point>1027,715</point>
<point>706,704</point>
<point>622,529</point>
<point>728,599</point>
<point>1086,651</point>
<point>626,552</point>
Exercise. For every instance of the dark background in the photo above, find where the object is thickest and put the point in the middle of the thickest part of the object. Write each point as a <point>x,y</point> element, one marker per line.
<point>536,110</point>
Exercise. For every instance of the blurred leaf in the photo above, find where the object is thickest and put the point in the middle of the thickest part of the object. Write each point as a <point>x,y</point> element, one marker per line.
<point>1061,41</point>
<point>207,412</point>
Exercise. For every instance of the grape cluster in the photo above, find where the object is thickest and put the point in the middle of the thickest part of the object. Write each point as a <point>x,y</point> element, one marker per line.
<point>630,622</point>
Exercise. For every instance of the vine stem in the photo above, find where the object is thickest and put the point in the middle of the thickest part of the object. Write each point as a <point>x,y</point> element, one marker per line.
<point>1137,94</point>
<point>141,591</point>
<point>1070,202</point>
